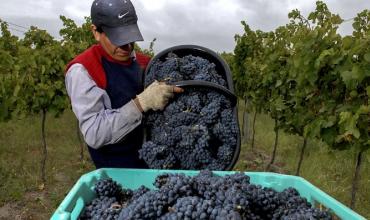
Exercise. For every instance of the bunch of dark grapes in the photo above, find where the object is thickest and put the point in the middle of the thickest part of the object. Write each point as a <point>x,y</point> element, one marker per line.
<point>108,188</point>
<point>204,196</point>
<point>109,201</point>
<point>197,129</point>
<point>106,205</point>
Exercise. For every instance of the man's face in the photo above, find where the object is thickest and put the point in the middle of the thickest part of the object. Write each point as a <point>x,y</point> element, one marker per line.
<point>119,53</point>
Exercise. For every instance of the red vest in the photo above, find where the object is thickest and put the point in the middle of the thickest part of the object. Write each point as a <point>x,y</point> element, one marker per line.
<point>91,59</point>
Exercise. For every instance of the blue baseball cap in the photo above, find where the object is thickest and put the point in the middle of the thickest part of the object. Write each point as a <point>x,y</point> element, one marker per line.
<point>118,20</point>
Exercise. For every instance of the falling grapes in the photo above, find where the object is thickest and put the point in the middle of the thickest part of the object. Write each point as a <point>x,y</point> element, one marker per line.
<point>197,129</point>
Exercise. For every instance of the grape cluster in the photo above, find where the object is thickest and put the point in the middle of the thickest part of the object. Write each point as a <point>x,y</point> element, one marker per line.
<point>197,129</point>
<point>204,196</point>
<point>102,207</point>
<point>189,67</point>
<point>107,187</point>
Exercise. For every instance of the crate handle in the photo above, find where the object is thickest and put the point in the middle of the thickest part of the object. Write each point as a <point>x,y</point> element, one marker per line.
<point>77,210</point>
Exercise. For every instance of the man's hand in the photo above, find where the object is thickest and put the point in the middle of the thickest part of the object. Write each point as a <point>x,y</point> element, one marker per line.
<point>156,96</point>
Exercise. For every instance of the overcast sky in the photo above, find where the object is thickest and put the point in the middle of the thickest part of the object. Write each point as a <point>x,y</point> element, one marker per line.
<point>209,23</point>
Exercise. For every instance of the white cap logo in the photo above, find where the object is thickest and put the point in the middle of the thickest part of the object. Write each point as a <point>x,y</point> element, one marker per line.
<point>120,16</point>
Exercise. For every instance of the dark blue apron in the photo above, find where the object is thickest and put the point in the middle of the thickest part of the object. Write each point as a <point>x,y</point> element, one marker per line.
<point>123,84</point>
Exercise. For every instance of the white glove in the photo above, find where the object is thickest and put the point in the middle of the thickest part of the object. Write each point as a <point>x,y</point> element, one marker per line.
<point>155,96</point>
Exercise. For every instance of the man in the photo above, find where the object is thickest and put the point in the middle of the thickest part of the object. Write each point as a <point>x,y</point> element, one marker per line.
<point>105,87</point>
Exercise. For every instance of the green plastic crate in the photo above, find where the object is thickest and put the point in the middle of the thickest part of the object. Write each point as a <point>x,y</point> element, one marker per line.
<point>82,192</point>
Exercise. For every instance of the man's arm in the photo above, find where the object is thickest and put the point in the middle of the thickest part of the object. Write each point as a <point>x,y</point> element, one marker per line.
<point>99,124</point>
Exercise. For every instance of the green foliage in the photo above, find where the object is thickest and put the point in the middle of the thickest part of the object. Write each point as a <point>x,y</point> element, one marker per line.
<point>42,65</point>
<point>32,69</point>
<point>75,38</point>
<point>10,78</point>
<point>248,64</point>
<point>314,81</point>
<point>149,52</point>
<point>229,59</point>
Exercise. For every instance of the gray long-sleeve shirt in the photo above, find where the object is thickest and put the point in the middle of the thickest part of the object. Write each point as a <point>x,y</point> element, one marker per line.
<point>99,123</point>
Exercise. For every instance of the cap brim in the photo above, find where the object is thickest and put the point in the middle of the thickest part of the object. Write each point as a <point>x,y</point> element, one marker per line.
<point>123,35</point>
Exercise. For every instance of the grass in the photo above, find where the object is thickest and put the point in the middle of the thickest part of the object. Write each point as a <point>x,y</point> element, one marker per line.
<point>22,193</point>
<point>22,196</point>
